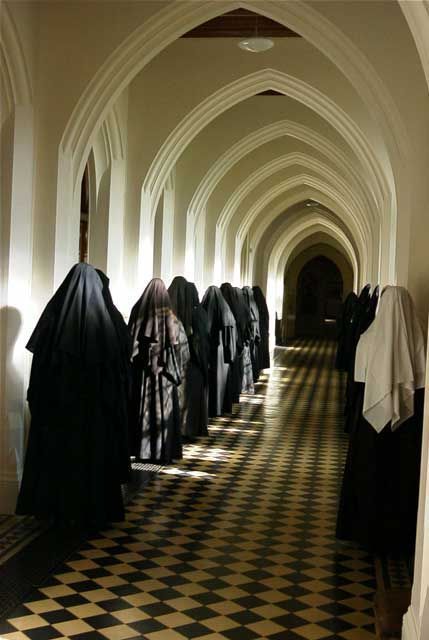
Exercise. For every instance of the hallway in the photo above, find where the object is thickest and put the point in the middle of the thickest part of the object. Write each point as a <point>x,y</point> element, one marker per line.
<point>236,541</point>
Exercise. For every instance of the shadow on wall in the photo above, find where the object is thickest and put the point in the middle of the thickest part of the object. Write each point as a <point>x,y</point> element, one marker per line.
<point>12,396</point>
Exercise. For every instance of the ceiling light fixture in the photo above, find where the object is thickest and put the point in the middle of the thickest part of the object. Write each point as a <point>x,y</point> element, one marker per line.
<point>256,43</point>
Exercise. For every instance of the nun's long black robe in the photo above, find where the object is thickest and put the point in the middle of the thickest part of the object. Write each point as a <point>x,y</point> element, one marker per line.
<point>186,305</point>
<point>363,316</point>
<point>154,409</point>
<point>264,328</point>
<point>198,371</point>
<point>222,332</point>
<point>256,334</point>
<point>345,333</point>
<point>77,454</point>
<point>247,383</point>
<point>181,302</point>
<point>379,495</point>
<point>236,369</point>
<point>182,358</point>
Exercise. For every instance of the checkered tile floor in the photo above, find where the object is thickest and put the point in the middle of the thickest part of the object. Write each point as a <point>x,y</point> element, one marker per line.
<point>236,541</point>
<point>16,532</point>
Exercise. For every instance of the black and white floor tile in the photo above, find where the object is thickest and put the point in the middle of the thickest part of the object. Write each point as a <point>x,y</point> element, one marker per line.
<point>235,542</point>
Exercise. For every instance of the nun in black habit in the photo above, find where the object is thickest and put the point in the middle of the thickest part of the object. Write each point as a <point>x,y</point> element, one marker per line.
<point>264,328</point>
<point>77,455</point>
<point>223,343</point>
<point>181,302</point>
<point>379,497</point>
<point>255,337</point>
<point>236,369</point>
<point>247,383</point>
<point>345,333</point>
<point>182,357</point>
<point>154,408</point>
<point>362,318</point>
<point>198,371</point>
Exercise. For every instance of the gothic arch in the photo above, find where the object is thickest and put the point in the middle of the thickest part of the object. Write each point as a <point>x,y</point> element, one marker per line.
<point>375,200</point>
<point>417,16</point>
<point>13,65</point>
<point>157,33</point>
<point>259,264</point>
<point>286,243</point>
<point>263,201</point>
<point>361,232</point>
<point>176,19</point>
<point>230,95</point>
<point>267,170</point>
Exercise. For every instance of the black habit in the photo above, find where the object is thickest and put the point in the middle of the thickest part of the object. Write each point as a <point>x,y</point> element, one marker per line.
<point>345,333</point>
<point>255,337</point>
<point>264,328</point>
<point>198,371</point>
<point>236,370</point>
<point>223,343</point>
<point>379,496</point>
<point>77,455</point>
<point>247,381</point>
<point>181,302</point>
<point>362,318</point>
<point>154,408</point>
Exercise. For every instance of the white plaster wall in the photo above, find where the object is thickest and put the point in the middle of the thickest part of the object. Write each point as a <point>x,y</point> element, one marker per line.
<point>392,51</point>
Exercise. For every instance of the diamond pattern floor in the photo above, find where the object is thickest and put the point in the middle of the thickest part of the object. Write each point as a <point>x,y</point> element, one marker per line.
<point>236,542</point>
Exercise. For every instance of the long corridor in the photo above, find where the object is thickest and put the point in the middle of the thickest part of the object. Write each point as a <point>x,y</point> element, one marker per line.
<point>236,541</point>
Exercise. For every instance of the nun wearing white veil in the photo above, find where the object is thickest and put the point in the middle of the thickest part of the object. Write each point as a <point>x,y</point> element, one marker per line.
<point>379,497</point>
<point>391,361</point>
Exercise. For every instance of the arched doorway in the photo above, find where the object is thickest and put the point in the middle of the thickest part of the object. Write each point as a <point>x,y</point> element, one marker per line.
<point>318,298</point>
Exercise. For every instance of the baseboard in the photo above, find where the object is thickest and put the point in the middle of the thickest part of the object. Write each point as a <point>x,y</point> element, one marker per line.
<point>409,626</point>
<point>8,494</point>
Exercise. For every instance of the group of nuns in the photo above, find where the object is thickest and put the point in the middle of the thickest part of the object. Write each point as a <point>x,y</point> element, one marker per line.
<point>102,392</point>
<point>382,349</point>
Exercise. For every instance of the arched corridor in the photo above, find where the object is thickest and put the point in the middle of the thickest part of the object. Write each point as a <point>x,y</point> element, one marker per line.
<point>236,541</point>
<point>275,148</point>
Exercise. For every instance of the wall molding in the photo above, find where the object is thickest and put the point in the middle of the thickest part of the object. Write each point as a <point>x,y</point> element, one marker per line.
<point>409,626</point>
<point>14,64</point>
<point>234,93</point>
<point>156,33</point>
<point>319,185</point>
<point>273,131</point>
<point>268,170</point>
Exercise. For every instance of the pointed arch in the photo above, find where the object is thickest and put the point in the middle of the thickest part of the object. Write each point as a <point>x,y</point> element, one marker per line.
<point>160,30</point>
<point>340,195</point>
<point>332,211</point>
<point>235,92</point>
<point>258,177</point>
<point>283,248</point>
<point>171,22</point>
<point>266,134</point>
<point>14,68</point>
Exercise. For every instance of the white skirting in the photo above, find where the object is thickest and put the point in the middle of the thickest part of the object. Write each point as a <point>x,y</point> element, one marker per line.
<point>409,626</point>
<point>8,493</point>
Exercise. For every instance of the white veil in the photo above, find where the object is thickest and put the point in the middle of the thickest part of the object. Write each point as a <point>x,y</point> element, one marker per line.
<point>391,360</point>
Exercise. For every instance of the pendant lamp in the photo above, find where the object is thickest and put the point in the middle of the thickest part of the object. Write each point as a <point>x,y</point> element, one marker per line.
<point>256,43</point>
